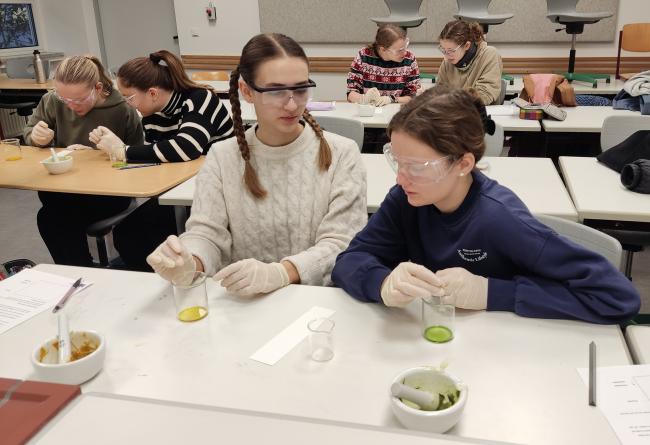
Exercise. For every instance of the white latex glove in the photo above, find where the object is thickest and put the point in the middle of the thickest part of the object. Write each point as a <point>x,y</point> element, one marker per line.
<point>463,289</point>
<point>42,134</point>
<point>383,100</point>
<point>371,96</point>
<point>107,141</point>
<point>171,260</point>
<point>407,282</point>
<point>250,277</point>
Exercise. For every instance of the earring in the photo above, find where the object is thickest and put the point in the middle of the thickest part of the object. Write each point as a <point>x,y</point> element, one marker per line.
<point>461,174</point>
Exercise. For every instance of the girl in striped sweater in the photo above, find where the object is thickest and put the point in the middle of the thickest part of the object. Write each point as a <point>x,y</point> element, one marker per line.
<point>181,120</point>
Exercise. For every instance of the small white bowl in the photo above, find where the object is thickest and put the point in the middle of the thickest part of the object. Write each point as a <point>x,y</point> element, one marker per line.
<point>63,165</point>
<point>45,359</point>
<point>431,379</point>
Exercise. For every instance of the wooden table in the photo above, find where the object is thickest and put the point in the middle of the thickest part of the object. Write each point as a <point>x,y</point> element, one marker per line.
<point>604,88</point>
<point>24,84</point>
<point>92,174</point>
<point>520,372</point>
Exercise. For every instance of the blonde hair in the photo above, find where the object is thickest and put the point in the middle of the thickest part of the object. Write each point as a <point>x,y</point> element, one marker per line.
<point>86,70</point>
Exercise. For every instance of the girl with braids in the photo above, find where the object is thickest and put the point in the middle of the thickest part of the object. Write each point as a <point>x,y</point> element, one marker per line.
<point>385,71</point>
<point>181,119</point>
<point>429,236</point>
<point>83,98</point>
<point>278,202</point>
<point>468,61</point>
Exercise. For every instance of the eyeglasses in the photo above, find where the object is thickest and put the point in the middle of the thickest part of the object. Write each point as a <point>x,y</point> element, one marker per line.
<point>279,96</point>
<point>449,52</point>
<point>400,50</point>
<point>65,100</point>
<point>129,99</point>
<point>418,169</point>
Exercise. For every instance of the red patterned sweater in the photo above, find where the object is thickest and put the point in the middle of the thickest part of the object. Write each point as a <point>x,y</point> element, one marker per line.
<point>391,78</point>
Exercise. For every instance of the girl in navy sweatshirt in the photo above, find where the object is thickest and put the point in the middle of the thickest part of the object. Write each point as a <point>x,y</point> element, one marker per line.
<point>447,230</point>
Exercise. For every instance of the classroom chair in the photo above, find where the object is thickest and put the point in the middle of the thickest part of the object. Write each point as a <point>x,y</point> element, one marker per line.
<point>350,128</point>
<point>404,13</point>
<point>477,11</point>
<point>209,75</point>
<point>634,37</point>
<point>100,229</point>
<point>23,109</point>
<point>494,142</point>
<point>592,239</point>
<point>564,12</point>
<point>615,130</point>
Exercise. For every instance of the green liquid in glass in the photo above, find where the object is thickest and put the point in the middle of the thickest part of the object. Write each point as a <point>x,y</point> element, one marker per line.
<point>438,334</point>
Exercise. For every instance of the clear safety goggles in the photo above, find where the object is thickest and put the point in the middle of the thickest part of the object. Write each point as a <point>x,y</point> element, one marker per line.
<point>65,100</point>
<point>281,95</point>
<point>449,52</point>
<point>418,169</point>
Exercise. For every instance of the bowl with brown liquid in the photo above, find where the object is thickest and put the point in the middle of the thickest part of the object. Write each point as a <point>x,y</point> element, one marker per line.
<point>88,350</point>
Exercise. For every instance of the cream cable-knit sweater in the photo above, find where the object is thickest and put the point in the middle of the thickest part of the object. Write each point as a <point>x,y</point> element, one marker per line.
<point>308,216</point>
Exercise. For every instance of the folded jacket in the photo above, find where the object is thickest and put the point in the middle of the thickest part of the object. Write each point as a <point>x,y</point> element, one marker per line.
<point>638,84</point>
<point>636,176</point>
<point>637,146</point>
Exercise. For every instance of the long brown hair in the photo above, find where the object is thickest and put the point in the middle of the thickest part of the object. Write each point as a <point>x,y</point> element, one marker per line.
<point>387,34</point>
<point>86,70</point>
<point>460,31</point>
<point>160,69</point>
<point>447,120</point>
<point>262,48</point>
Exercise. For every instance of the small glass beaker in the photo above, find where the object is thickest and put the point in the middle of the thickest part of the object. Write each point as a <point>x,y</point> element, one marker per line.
<point>11,149</point>
<point>437,320</point>
<point>190,296</point>
<point>320,339</point>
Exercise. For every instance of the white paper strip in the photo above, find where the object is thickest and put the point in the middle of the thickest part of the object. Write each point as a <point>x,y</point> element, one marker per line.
<point>290,336</point>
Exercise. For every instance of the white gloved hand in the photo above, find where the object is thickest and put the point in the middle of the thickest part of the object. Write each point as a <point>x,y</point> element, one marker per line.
<point>250,277</point>
<point>371,96</point>
<point>383,100</point>
<point>172,261</point>
<point>407,282</point>
<point>463,289</point>
<point>42,134</point>
<point>107,141</point>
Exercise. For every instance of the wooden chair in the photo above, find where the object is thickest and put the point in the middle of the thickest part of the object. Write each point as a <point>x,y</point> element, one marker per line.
<point>209,75</point>
<point>634,37</point>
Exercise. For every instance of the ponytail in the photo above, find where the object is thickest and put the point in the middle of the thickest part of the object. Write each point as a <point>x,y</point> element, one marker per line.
<point>160,69</point>
<point>251,179</point>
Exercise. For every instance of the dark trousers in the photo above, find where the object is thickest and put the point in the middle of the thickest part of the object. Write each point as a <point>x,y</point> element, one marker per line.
<point>63,219</point>
<point>141,232</point>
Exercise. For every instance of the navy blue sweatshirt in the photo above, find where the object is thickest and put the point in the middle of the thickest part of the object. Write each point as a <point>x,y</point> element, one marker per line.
<point>531,270</point>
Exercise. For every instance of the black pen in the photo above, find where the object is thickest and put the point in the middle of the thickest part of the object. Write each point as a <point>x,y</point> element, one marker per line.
<point>138,166</point>
<point>592,374</point>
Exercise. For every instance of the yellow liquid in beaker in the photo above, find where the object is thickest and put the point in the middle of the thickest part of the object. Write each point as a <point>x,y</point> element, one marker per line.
<point>193,313</point>
<point>13,158</point>
<point>438,334</point>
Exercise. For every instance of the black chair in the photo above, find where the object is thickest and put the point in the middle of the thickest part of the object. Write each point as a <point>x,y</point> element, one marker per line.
<point>100,229</point>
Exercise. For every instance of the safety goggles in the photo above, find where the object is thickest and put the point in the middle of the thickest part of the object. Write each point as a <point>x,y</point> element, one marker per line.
<point>418,169</point>
<point>449,52</point>
<point>279,96</point>
<point>65,100</point>
<point>400,50</point>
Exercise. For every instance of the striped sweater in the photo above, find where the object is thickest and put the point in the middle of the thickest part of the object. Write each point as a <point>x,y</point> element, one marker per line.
<point>183,130</point>
<point>391,78</point>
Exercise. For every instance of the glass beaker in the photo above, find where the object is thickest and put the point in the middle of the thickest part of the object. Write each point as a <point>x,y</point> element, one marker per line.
<point>437,320</point>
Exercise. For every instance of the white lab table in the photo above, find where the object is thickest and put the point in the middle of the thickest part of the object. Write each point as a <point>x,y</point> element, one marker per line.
<point>638,340</point>
<point>583,119</point>
<point>598,194</point>
<point>520,372</point>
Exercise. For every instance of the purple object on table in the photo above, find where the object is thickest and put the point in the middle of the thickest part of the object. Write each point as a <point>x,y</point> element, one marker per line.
<point>321,106</point>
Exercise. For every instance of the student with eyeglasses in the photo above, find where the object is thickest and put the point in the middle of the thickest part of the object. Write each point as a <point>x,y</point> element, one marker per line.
<point>181,119</point>
<point>278,202</point>
<point>468,61</point>
<point>83,98</point>
<point>385,71</point>
<point>447,230</point>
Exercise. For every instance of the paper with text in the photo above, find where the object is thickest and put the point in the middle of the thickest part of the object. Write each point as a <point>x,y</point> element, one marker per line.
<point>29,293</point>
<point>623,395</point>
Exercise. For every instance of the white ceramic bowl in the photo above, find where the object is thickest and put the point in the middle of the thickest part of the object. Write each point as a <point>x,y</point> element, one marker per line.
<point>429,378</point>
<point>57,167</point>
<point>45,359</point>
